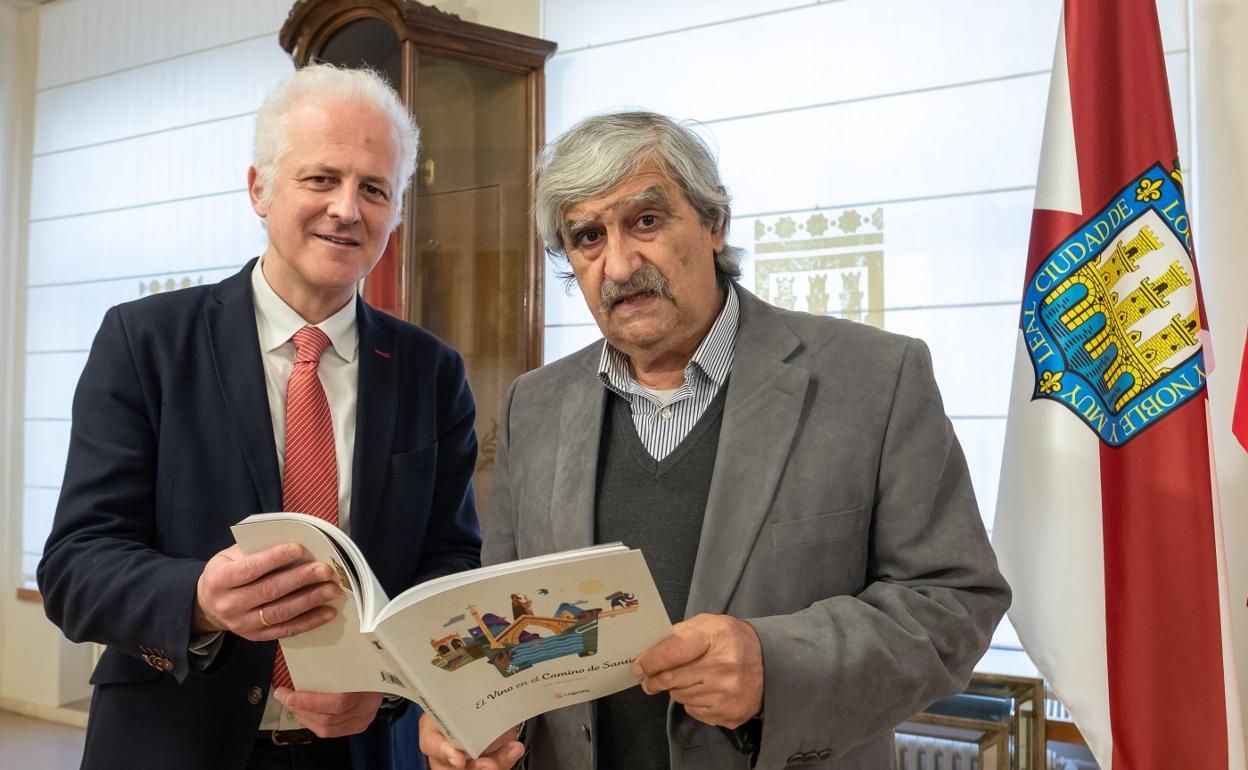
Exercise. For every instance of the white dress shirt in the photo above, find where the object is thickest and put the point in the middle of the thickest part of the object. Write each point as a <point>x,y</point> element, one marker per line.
<point>663,418</point>
<point>277,323</point>
<point>339,371</point>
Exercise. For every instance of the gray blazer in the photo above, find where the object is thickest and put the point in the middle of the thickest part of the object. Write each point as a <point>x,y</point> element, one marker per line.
<point>840,523</point>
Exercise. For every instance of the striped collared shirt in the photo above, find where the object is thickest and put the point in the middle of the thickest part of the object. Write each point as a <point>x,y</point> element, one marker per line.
<point>662,426</point>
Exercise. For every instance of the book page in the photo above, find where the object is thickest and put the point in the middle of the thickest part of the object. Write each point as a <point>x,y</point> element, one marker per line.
<point>428,588</point>
<point>335,657</point>
<point>512,645</point>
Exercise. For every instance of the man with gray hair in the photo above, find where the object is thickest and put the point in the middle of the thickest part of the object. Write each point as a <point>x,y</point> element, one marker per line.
<point>277,389</point>
<point>792,480</point>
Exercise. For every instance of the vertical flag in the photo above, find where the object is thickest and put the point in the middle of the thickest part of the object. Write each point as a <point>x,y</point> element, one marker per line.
<point>1106,523</point>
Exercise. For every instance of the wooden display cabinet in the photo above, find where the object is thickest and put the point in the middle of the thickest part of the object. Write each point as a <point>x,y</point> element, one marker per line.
<point>1002,715</point>
<point>467,264</point>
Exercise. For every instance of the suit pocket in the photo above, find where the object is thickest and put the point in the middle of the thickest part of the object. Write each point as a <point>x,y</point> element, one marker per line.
<point>405,462</point>
<point>116,668</point>
<point>818,529</point>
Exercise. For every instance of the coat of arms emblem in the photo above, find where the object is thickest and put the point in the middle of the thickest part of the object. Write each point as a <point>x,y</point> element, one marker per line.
<point>1111,316</point>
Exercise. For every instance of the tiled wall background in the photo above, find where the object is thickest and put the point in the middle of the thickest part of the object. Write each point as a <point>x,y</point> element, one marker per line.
<point>143,120</point>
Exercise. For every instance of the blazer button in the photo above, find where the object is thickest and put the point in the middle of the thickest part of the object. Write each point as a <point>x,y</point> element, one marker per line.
<point>825,753</point>
<point>585,730</point>
<point>795,758</point>
<point>254,695</point>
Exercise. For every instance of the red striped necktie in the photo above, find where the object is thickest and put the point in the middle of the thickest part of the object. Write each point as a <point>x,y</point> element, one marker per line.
<point>310,478</point>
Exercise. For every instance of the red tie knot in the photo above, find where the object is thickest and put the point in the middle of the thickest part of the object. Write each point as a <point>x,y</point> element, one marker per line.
<point>310,343</point>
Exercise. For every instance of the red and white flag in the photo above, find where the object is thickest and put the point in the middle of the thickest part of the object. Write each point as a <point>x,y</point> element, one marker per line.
<point>1107,524</point>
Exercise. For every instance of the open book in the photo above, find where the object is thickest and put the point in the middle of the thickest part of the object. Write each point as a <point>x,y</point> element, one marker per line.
<point>481,650</point>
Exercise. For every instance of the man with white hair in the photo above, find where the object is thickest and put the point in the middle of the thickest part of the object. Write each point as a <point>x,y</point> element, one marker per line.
<point>277,389</point>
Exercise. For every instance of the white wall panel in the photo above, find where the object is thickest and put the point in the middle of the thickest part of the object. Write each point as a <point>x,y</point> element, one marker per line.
<point>196,234</point>
<point>981,442</point>
<point>563,306</point>
<point>822,53</point>
<point>576,23</point>
<point>912,146</point>
<point>830,52</point>
<point>50,328</point>
<point>200,160</point>
<point>39,506</point>
<point>29,562</point>
<point>956,250</point>
<point>50,382</point>
<point>1172,16</point>
<point>968,346</point>
<point>1177,74</point>
<point>949,251</point>
<point>565,340</point>
<point>47,442</point>
<point>221,82</point>
<point>107,36</point>
<point>940,251</point>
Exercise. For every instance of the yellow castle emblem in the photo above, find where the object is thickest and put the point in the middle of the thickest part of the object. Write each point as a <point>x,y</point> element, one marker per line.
<point>1141,359</point>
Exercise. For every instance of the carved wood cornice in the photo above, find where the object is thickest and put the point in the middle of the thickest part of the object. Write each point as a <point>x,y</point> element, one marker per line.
<point>311,23</point>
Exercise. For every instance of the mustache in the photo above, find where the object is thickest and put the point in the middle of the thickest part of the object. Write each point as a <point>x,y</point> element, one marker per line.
<point>647,280</point>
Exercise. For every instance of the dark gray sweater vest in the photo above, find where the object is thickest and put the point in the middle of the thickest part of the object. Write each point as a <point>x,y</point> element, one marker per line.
<point>656,506</point>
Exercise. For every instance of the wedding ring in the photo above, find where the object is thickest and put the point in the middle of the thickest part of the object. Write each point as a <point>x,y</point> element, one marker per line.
<point>263,622</point>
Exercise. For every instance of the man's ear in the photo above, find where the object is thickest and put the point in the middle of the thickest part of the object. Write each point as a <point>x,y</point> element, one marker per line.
<point>254,191</point>
<point>719,234</point>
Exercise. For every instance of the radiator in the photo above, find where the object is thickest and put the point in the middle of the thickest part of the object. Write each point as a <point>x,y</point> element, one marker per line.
<point>916,752</point>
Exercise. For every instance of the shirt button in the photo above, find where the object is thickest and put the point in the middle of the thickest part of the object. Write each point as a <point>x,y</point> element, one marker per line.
<point>585,730</point>
<point>254,695</point>
<point>666,414</point>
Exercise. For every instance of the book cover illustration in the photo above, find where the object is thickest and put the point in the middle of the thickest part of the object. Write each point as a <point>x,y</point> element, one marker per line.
<point>512,646</point>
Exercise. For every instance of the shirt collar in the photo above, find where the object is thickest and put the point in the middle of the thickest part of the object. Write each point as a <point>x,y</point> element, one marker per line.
<point>713,358</point>
<point>277,322</point>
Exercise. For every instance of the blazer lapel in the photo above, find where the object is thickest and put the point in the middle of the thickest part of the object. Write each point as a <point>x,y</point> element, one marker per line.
<point>576,462</point>
<point>376,406</point>
<point>235,348</point>
<point>762,411</point>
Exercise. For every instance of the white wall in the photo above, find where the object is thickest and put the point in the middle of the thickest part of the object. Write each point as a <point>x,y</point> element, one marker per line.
<point>38,668</point>
<point>142,115</point>
<point>1220,105</point>
<point>10,282</point>
<point>521,16</point>
<point>143,120</point>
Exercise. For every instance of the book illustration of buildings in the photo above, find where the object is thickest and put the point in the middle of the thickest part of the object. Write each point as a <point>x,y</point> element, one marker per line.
<point>514,645</point>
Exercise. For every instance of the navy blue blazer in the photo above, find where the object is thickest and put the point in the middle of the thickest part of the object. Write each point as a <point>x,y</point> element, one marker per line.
<point>172,442</point>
